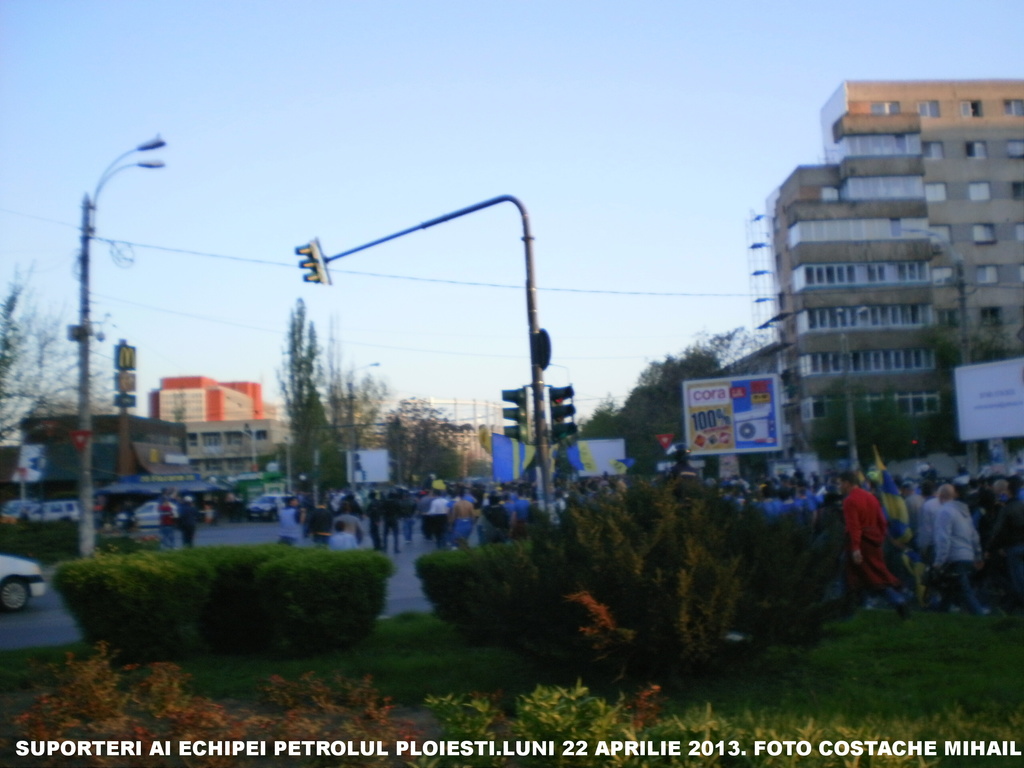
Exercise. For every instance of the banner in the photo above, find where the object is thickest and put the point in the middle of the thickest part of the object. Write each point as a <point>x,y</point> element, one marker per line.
<point>740,415</point>
<point>510,458</point>
<point>31,463</point>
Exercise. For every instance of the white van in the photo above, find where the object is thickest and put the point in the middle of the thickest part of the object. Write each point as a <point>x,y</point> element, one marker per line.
<point>66,509</point>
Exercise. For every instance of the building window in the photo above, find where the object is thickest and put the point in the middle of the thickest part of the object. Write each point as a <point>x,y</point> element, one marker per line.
<point>883,188</point>
<point>948,317</point>
<point>193,439</point>
<point>1017,190</point>
<point>868,361</point>
<point>868,145</point>
<point>829,194</point>
<point>976,150</point>
<point>928,108</point>
<point>829,275</point>
<point>942,275</point>
<point>932,150</point>
<point>211,439</point>
<point>935,191</point>
<point>970,109</point>
<point>814,408</point>
<point>1014,107</point>
<point>984,233</point>
<point>885,108</point>
<point>942,232</point>
<point>916,403</point>
<point>987,274</point>
<point>1015,148</point>
<point>1019,231</point>
<point>233,438</point>
<point>991,315</point>
<point>979,190</point>
<point>912,272</point>
<point>261,434</point>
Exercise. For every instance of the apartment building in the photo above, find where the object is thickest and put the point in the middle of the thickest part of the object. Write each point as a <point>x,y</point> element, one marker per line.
<point>915,220</point>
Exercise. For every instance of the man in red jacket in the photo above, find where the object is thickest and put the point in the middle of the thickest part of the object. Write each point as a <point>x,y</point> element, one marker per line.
<point>866,528</point>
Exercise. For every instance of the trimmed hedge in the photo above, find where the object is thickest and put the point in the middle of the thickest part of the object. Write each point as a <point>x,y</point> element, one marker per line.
<point>323,600</point>
<point>144,604</point>
<point>46,542</point>
<point>235,619</point>
<point>159,606</point>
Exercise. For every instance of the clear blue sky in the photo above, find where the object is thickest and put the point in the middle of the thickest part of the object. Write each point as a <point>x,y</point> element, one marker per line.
<point>640,136</point>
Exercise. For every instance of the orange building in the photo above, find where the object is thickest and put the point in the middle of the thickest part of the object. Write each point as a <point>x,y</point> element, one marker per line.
<point>198,398</point>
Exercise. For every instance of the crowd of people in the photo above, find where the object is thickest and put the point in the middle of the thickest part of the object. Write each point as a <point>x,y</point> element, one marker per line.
<point>922,542</point>
<point>937,545</point>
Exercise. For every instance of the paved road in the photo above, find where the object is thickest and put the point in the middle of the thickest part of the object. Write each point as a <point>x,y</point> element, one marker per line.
<point>45,621</point>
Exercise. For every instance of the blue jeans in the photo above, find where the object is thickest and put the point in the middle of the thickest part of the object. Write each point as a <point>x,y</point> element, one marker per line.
<point>961,571</point>
<point>167,538</point>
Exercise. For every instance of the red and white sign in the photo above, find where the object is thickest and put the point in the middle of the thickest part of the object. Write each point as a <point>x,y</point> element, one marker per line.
<point>79,437</point>
<point>665,441</point>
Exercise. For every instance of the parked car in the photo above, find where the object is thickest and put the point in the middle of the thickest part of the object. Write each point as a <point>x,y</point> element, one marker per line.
<point>45,512</point>
<point>145,516</point>
<point>58,510</point>
<point>19,510</point>
<point>20,579</point>
<point>267,506</point>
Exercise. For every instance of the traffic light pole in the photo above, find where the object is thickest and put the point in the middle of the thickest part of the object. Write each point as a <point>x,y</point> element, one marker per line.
<point>537,364</point>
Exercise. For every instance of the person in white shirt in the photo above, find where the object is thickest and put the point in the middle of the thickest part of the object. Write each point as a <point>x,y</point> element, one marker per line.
<point>958,549</point>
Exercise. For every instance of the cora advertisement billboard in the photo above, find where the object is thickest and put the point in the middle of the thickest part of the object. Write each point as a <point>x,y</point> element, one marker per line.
<point>732,415</point>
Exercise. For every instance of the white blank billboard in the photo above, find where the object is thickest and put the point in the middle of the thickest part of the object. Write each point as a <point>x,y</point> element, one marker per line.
<point>990,400</point>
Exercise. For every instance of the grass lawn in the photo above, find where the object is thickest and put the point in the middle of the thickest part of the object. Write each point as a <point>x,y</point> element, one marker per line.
<point>873,665</point>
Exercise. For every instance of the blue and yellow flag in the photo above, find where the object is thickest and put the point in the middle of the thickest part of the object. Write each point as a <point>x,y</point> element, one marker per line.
<point>900,532</point>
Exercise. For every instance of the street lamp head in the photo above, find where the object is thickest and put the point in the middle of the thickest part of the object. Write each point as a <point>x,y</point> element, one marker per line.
<point>151,164</point>
<point>151,144</point>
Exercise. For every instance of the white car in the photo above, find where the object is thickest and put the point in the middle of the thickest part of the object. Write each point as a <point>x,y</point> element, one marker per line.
<point>45,512</point>
<point>19,510</point>
<point>146,516</point>
<point>20,579</point>
<point>57,510</point>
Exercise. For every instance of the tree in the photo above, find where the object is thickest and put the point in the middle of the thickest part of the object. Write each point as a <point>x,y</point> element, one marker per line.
<point>422,441</point>
<point>301,380</point>
<point>353,410</point>
<point>654,406</point>
<point>36,366</point>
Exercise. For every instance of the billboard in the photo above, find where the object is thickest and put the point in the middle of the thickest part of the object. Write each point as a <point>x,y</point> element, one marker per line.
<point>990,400</point>
<point>732,415</point>
<point>369,467</point>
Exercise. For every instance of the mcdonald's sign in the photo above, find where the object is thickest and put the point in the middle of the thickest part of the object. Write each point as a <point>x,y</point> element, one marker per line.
<point>124,357</point>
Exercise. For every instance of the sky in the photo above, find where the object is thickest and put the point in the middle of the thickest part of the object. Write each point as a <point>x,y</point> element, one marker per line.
<point>641,138</point>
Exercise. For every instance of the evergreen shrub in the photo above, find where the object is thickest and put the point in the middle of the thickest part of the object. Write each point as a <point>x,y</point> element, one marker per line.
<point>323,600</point>
<point>144,605</point>
<point>236,618</point>
<point>166,605</point>
<point>649,582</point>
<point>47,542</point>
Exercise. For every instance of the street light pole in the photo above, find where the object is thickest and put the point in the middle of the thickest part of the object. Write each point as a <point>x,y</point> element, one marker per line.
<point>82,333</point>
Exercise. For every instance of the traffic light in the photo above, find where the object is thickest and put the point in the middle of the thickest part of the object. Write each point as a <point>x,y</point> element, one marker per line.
<point>313,260</point>
<point>521,430</point>
<point>562,412</point>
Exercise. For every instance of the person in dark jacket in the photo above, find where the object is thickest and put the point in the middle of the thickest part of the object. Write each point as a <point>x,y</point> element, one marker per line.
<point>320,523</point>
<point>188,516</point>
